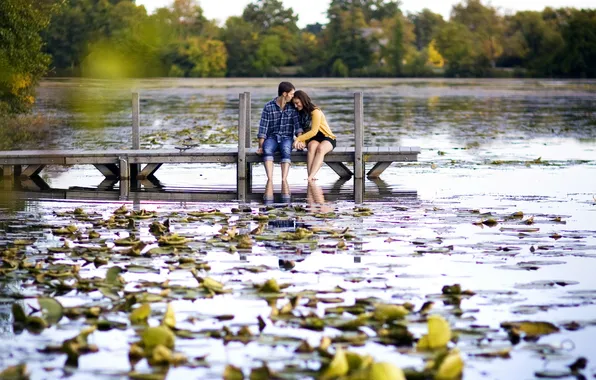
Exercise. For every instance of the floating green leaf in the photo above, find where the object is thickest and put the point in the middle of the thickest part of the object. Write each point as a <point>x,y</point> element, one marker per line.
<point>140,314</point>
<point>52,309</point>
<point>154,336</point>
<point>531,329</point>
<point>388,313</point>
<point>232,373</point>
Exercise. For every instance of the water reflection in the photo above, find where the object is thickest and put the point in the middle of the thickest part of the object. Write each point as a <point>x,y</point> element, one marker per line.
<point>9,288</point>
<point>316,199</point>
<point>395,111</point>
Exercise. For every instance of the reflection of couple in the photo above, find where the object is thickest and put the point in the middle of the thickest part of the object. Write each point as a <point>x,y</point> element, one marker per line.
<point>316,199</point>
<point>292,113</point>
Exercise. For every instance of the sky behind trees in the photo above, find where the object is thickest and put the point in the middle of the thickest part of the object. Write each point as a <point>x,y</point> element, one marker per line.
<point>313,11</point>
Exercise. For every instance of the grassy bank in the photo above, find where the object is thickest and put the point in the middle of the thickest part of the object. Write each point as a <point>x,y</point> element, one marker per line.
<point>16,130</point>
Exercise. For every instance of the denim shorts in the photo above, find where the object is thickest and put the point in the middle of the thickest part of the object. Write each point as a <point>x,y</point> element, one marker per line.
<point>281,143</point>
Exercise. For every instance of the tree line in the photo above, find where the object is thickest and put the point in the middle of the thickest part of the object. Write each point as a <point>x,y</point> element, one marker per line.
<point>118,39</point>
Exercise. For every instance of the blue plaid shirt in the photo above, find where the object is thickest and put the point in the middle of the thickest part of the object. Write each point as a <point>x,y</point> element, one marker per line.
<point>278,123</point>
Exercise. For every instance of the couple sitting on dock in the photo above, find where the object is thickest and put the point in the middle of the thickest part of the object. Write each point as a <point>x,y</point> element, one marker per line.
<point>293,114</point>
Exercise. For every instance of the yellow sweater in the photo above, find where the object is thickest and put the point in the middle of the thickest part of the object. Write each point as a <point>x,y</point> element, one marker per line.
<point>319,123</point>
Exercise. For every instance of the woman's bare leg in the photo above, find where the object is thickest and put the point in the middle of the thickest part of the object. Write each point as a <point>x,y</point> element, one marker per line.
<point>310,155</point>
<point>323,148</point>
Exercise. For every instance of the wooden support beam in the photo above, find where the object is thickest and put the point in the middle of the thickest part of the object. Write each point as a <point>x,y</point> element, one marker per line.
<point>148,170</point>
<point>342,170</point>
<point>110,171</point>
<point>32,170</point>
<point>35,183</point>
<point>124,169</point>
<point>7,171</point>
<point>151,183</point>
<point>107,184</point>
<point>379,168</point>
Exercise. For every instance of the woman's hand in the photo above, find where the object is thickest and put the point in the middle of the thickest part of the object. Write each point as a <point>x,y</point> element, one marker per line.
<point>299,145</point>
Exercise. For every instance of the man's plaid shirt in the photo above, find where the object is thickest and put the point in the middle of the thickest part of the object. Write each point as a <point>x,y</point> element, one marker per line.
<point>275,122</point>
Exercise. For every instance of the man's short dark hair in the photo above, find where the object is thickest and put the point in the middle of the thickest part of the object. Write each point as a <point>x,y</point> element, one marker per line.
<point>285,87</point>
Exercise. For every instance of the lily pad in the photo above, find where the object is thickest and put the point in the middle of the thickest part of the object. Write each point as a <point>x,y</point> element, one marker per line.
<point>52,309</point>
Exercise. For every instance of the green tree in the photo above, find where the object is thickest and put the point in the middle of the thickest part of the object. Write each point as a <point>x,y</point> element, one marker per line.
<point>242,41</point>
<point>346,37</point>
<point>531,43</point>
<point>266,14</point>
<point>22,62</point>
<point>426,23</point>
<point>271,19</point>
<point>394,51</point>
<point>578,57</point>
<point>457,45</point>
<point>310,55</point>
<point>269,56</point>
<point>486,25</point>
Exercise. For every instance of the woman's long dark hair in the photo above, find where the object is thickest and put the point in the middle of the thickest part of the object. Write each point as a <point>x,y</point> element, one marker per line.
<point>307,105</point>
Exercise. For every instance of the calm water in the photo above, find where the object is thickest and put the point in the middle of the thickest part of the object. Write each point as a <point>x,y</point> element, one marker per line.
<point>489,149</point>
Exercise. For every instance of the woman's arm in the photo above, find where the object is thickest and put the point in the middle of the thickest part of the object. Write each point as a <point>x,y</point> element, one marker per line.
<point>316,125</point>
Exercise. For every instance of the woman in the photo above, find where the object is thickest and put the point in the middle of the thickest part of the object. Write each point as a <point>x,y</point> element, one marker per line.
<point>319,140</point>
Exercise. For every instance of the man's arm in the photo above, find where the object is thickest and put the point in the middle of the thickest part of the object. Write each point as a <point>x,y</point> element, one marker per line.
<point>263,128</point>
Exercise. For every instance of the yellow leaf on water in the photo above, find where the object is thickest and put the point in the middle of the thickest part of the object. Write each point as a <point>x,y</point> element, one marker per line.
<point>140,314</point>
<point>232,373</point>
<point>154,336</point>
<point>385,371</point>
<point>338,367</point>
<point>439,334</point>
<point>18,371</point>
<point>533,329</point>
<point>451,367</point>
<point>161,355</point>
<point>270,286</point>
<point>357,361</point>
<point>388,312</point>
<point>169,318</point>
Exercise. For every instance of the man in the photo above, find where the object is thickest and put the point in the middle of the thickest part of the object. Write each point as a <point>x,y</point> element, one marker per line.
<point>279,124</point>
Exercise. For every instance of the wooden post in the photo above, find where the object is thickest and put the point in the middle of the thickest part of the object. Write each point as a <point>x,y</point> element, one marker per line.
<point>124,169</point>
<point>358,142</point>
<point>241,163</point>
<point>124,178</point>
<point>248,140</point>
<point>136,140</point>
<point>248,114</point>
<point>135,169</point>
<point>358,135</point>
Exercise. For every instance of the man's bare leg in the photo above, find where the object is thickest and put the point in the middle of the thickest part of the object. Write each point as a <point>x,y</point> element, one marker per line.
<point>285,169</point>
<point>269,169</point>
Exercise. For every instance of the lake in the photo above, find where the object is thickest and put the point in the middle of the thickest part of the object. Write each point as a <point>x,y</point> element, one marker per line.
<point>503,204</point>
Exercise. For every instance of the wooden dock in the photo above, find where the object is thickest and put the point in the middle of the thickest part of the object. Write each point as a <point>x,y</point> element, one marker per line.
<point>140,164</point>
